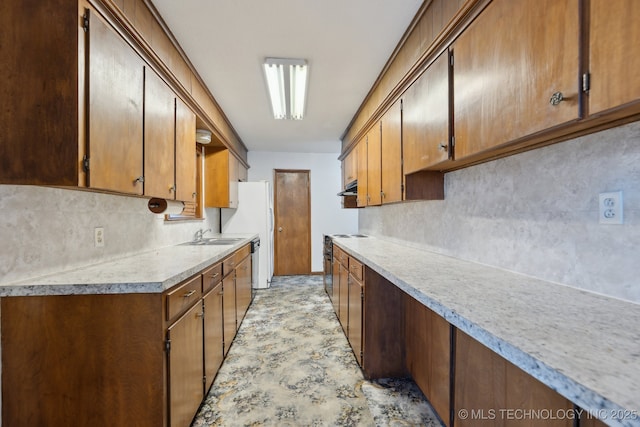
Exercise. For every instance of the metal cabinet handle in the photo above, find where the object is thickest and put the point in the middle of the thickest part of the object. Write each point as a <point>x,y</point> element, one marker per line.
<point>215,275</point>
<point>556,98</point>
<point>190,293</point>
<point>172,188</point>
<point>194,194</point>
<point>139,179</point>
<point>443,147</point>
<point>279,229</point>
<point>201,314</point>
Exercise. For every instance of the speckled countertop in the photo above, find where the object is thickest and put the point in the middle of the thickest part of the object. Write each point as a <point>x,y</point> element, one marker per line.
<point>583,345</point>
<point>148,272</point>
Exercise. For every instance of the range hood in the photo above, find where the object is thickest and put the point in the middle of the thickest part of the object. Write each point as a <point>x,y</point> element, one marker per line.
<point>350,189</point>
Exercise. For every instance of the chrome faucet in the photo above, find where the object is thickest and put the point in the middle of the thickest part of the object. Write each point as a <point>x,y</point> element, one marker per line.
<point>200,234</point>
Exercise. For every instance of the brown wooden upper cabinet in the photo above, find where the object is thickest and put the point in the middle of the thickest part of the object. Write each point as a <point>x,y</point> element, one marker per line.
<point>115,111</point>
<point>614,55</point>
<point>350,168</point>
<point>516,72</point>
<point>374,166</point>
<point>425,119</point>
<point>391,150</point>
<point>221,178</point>
<point>362,172</point>
<point>185,149</point>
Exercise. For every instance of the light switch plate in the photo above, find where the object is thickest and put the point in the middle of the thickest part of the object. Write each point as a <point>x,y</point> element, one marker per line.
<point>610,208</point>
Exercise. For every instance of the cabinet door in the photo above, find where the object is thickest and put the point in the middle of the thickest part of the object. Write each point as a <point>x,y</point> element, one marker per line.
<point>374,166</point>
<point>362,172</point>
<point>391,144</point>
<point>507,66</point>
<point>425,118</point>
<point>428,340</point>
<point>185,361</point>
<point>349,168</point>
<point>335,266</point>
<point>229,310</point>
<point>355,317</point>
<point>115,111</point>
<point>159,137</point>
<point>614,54</point>
<point>344,299</point>
<point>185,153</point>
<point>213,343</point>
<point>234,170</point>
<point>486,382</point>
<point>243,288</point>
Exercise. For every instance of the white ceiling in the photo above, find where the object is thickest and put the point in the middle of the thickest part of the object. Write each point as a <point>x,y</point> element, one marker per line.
<point>346,42</point>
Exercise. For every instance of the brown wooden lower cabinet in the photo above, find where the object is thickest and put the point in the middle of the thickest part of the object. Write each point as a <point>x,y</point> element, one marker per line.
<point>213,334</point>
<point>428,348</point>
<point>243,288</point>
<point>229,310</point>
<point>356,296</point>
<point>490,391</point>
<point>185,362</point>
<point>94,360</point>
<point>115,360</point>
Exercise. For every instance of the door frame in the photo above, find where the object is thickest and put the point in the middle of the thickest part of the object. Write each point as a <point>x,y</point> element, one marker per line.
<point>275,211</point>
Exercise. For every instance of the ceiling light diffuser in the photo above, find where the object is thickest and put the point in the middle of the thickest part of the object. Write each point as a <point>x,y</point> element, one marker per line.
<point>287,85</point>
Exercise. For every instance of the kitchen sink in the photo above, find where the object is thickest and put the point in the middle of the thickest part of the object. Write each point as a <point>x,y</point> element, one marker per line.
<point>214,241</point>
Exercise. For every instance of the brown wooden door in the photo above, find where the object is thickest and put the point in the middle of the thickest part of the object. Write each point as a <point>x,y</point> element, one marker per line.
<point>159,137</point>
<point>507,66</point>
<point>185,367</point>
<point>292,222</point>
<point>392,154</point>
<point>425,118</point>
<point>116,91</point>
<point>213,339</point>
<point>614,54</point>
<point>335,270</point>
<point>185,149</point>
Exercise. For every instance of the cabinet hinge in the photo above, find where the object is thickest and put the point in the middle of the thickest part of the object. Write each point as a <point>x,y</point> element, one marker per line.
<point>451,59</point>
<point>167,346</point>
<point>401,105</point>
<point>453,141</point>
<point>85,21</point>
<point>204,380</point>
<point>401,188</point>
<point>586,82</point>
<point>85,163</point>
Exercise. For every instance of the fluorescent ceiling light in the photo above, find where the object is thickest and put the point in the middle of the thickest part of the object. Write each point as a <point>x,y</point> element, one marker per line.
<point>287,84</point>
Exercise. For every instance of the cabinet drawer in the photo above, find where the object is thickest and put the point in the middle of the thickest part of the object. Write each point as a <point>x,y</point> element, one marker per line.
<point>242,253</point>
<point>228,265</point>
<point>211,277</point>
<point>355,268</point>
<point>183,296</point>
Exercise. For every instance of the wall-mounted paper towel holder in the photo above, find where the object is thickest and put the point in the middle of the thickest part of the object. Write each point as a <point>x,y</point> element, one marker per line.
<point>167,207</point>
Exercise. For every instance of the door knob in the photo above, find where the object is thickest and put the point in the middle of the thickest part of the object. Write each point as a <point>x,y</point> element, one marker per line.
<point>279,229</point>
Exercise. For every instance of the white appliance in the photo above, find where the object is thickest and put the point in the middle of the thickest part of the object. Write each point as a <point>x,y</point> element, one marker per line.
<point>254,215</point>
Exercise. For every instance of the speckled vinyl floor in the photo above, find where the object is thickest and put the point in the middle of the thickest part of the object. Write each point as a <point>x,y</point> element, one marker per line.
<point>291,365</point>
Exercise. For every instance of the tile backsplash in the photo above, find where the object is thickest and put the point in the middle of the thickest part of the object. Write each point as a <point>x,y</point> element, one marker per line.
<point>44,230</point>
<point>536,213</point>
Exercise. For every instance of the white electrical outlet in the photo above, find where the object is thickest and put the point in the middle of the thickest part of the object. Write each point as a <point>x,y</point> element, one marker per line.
<point>610,208</point>
<point>98,237</point>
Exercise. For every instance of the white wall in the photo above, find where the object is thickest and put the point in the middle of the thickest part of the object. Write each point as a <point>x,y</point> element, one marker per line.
<point>327,216</point>
<point>536,213</point>
<point>45,230</point>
